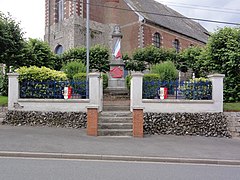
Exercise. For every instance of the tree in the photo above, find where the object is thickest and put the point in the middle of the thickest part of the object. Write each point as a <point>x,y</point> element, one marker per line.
<point>99,57</point>
<point>223,56</point>
<point>11,40</point>
<point>191,58</point>
<point>37,53</point>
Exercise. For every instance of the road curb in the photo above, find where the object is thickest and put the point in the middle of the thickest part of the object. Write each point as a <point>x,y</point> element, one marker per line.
<point>117,158</point>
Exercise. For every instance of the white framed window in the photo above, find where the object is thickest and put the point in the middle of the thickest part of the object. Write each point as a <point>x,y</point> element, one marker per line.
<point>157,40</point>
<point>176,45</point>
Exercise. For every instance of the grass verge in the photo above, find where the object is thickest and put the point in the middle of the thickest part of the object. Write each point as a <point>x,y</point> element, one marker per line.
<point>3,100</point>
<point>231,106</point>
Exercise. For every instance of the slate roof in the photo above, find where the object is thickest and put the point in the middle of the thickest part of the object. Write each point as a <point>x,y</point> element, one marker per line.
<point>183,26</point>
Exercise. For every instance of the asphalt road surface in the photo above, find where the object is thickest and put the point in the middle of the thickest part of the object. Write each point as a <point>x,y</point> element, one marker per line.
<point>64,169</point>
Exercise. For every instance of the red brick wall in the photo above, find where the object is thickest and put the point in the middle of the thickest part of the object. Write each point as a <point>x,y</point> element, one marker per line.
<point>137,123</point>
<point>92,121</point>
<point>167,37</point>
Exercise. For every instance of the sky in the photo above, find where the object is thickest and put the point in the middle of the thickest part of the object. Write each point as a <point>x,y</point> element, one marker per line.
<point>31,13</point>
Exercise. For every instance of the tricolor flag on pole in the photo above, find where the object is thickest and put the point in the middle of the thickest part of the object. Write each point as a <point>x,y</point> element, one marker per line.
<point>117,49</point>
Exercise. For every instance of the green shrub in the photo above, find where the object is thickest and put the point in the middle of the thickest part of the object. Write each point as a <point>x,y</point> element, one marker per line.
<point>80,77</point>
<point>3,85</point>
<point>105,80</point>
<point>98,57</point>
<point>128,81</point>
<point>73,68</point>
<point>40,74</point>
<point>166,70</point>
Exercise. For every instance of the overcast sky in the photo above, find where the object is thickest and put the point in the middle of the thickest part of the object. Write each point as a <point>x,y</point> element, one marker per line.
<point>31,13</point>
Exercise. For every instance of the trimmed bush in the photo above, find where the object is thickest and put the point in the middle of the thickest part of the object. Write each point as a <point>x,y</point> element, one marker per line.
<point>40,74</point>
<point>166,70</point>
<point>73,68</point>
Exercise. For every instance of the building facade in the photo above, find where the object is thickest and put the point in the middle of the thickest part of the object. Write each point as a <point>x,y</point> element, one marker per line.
<point>142,22</point>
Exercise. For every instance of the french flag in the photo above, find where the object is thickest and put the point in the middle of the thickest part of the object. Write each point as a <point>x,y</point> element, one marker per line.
<point>117,48</point>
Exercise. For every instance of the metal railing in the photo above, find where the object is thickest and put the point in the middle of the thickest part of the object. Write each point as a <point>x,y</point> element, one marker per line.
<point>192,90</point>
<point>53,89</point>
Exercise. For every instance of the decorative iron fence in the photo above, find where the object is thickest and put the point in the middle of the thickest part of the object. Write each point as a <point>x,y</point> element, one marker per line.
<point>192,90</point>
<point>53,89</point>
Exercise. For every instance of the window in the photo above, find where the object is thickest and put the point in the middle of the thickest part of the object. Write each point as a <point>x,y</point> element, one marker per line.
<point>60,10</point>
<point>59,49</point>
<point>157,40</point>
<point>176,45</point>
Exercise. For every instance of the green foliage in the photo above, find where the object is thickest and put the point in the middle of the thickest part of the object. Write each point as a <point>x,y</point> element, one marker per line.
<point>73,54</point>
<point>105,80</point>
<point>3,100</point>
<point>73,68</point>
<point>143,58</point>
<point>3,85</point>
<point>190,58</point>
<point>99,57</point>
<point>40,74</point>
<point>166,70</point>
<point>128,81</point>
<point>80,76</point>
<point>223,56</point>
<point>11,40</point>
<point>37,53</point>
<point>151,77</point>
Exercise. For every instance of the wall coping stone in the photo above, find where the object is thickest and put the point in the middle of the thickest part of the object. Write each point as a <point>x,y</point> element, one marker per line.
<point>177,101</point>
<point>55,100</point>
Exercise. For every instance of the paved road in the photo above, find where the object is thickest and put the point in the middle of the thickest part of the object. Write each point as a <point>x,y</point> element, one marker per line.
<point>60,140</point>
<point>51,169</point>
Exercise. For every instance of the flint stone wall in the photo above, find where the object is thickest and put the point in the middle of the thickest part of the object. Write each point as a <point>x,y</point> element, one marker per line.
<point>51,119</point>
<point>233,120</point>
<point>196,124</point>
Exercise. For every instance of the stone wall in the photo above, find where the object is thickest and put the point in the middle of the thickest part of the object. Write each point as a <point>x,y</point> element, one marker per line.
<point>51,119</point>
<point>233,121</point>
<point>196,124</point>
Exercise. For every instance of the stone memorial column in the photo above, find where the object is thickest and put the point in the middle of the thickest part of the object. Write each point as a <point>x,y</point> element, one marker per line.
<point>116,79</point>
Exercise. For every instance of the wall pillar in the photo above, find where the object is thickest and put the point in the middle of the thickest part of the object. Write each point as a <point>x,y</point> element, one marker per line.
<point>138,122</point>
<point>136,103</point>
<point>136,90</point>
<point>92,121</point>
<point>217,90</point>
<point>95,99</point>
<point>13,90</point>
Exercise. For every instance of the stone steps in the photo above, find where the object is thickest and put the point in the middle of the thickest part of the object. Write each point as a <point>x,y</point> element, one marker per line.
<point>115,123</point>
<point>115,132</point>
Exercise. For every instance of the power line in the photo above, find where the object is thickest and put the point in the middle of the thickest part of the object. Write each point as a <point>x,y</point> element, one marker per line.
<point>194,5</point>
<point>206,9</point>
<point>172,16</point>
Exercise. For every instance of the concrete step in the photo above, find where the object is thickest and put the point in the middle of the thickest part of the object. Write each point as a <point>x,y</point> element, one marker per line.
<point>115,132</point>
<point>116,107</point>
<point>115,119</point>
<point>108,126</point>
<point>116,91</point>
<point>115,114</point>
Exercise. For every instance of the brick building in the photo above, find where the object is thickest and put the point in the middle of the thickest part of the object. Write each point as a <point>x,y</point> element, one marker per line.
<point>65,23</point>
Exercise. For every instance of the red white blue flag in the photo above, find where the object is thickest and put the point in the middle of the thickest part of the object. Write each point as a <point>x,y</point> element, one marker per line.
<point>117,48</point>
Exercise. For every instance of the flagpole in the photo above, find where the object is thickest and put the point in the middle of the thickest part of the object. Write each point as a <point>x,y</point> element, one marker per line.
<point>87,37</point>
<point>87,44</point>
